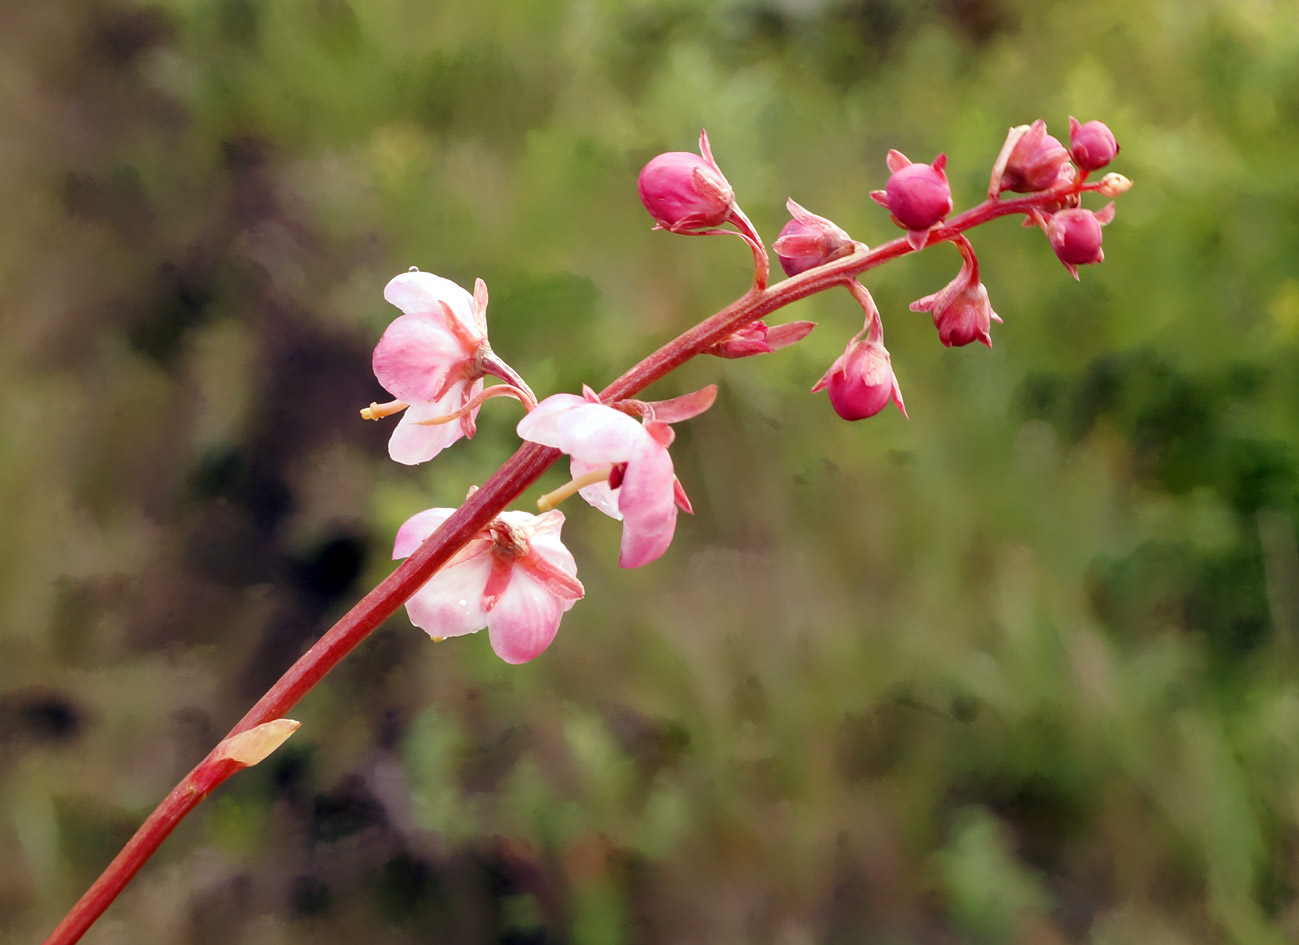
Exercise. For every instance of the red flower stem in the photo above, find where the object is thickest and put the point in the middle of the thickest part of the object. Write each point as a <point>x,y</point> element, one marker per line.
<point>505,485</point>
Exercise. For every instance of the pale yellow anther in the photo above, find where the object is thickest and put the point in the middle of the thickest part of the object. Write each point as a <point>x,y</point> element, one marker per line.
<point>379,411</point>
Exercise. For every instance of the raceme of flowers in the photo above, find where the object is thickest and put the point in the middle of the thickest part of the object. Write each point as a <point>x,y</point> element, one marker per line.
<point>516,578</point>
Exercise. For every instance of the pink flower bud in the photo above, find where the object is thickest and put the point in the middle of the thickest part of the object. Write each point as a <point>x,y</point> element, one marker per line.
<point>917,195</point>
<point>683,191</point>
<point>1031,161</point>
<point>808,241</point>
<point>961,310</point>
<point>1075,236</point>
<point>961,317</point>
<point>861,381</point>
<point>1092,144</point>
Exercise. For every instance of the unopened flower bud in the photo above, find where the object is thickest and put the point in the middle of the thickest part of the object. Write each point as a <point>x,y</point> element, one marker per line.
<point>808,241</point>
<point>917,195</point>
<point>1092,144</point>
<point>1031,160</point>
<point>861,381</point>
<point>684,191</point>
<point>1075,236</point>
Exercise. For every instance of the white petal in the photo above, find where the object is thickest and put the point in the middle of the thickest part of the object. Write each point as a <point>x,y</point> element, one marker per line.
<point>419,294</point>
<point>541,425</point>
<point>598,494</point>
<point>597,434</point>
<point>450,602</point>
<point>415,529</point>
<point>413,443</point>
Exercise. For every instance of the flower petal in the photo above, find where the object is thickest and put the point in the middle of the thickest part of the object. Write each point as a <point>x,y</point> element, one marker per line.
<point>541,425</point>
<point>525,620</point>
<point>647,500</point>
<point>421,293</point>
<point>598,495</point>
<point>450,602</point>
<point>415,529</point>
<point>414,357</point>
<point>412,442</point>
<point>597,434</point>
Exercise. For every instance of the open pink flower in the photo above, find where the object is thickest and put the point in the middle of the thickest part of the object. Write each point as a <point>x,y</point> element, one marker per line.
<point>431,358</point>
<point>515,578</point>
<point>623,468</point>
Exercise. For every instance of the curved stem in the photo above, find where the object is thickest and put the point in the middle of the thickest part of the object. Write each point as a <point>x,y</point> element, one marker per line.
<point>514,476</point>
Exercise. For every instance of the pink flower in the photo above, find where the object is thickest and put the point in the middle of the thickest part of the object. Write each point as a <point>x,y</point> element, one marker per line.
<point>515,578</point>
<point>622,466</point>
<point>1030,160</point>
<point>1092,144</point>
<point>808,241</point>
<point>683,191</point>
<point>961,310</point>
<point>1075,236</point>
<point>432,359</point>
<point>917,195</point>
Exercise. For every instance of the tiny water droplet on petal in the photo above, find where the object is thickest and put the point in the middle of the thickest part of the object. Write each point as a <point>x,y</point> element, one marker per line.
<point>413,269</point>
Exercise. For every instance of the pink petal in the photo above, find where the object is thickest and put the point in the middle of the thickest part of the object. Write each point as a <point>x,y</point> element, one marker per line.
<point>525,620</point>
<point>541,425</point>
<point>551,565</point>
<point>896,160</point>
<point>686,406</point>
<point>597,434</point>
<point>450,603</point>
<point>415,529</point>
<point>414,357</point>
<point>647,500</point>
<point>781,336</point>
<point>412,443</point>
<point>420,294</point>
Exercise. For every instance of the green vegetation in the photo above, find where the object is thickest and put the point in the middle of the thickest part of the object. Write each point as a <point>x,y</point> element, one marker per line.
<point>1019,670</point>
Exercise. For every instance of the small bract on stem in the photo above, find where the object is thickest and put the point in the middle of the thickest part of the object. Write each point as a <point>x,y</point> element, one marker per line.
<point>481,566</point>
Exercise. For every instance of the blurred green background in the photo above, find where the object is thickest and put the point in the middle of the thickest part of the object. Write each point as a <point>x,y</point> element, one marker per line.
<point>1020,670</point>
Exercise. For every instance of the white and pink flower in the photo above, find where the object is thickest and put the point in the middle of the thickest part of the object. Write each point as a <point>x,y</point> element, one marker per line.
<point>433,360</point>
<point>429,359</point>
<point>515,578</point>
<point>621,466</point>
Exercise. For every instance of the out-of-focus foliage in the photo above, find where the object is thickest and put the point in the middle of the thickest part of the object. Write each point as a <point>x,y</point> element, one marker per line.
<point>1019,670</point>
